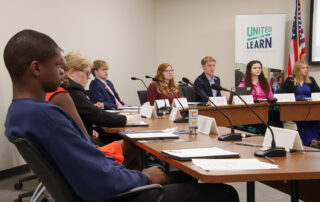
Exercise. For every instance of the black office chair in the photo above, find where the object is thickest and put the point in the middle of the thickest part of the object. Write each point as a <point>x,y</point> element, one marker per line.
<point>142,96</point>
<point>190,94</point>
<point>53,180</point>
<point>19,186</point>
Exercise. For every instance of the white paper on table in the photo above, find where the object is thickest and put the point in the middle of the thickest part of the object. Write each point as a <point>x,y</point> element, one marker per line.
<point>162,103</point>
<point>219,101</point>
<point>287,138</point>
<point>207,125</point>
<point>285,97</point>
<point>170,130</point>
<point>315,96</point>
<point>174,114</point>
<point>199,152</point>
<point>151,135</point>
<point>247,98</point>
<point>232,164</point>
<point>183,102</point>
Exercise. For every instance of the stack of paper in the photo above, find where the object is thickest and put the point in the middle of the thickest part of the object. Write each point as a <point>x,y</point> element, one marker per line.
<point>232,164</point>
<point>149,135</point>
<point>188,154</point>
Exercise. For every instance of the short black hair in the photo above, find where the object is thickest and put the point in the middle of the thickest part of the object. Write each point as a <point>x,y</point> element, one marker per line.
<point>27,46</point>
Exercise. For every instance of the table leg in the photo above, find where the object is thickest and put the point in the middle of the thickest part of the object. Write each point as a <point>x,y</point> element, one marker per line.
<point>294,186</point>
<point>250,192</point>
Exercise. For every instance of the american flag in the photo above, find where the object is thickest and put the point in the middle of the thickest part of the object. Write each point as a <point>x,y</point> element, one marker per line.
<point>298,42</point>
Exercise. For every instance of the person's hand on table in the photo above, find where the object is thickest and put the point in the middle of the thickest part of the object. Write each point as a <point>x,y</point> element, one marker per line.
<point>133,119</point>
<point>100,105</point>
<point>95,134</point>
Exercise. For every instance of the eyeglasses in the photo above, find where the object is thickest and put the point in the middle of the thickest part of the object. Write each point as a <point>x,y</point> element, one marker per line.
<point>169,70</point>
<point>86,72</point>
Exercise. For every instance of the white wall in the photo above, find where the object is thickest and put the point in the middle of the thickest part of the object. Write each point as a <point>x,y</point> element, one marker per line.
<point>118,31</point>
<point>188,30</point>
<point>134,36</point>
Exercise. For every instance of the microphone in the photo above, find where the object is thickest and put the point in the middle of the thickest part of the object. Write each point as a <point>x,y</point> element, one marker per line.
<point>165,103</point>
<point>273,151</point>
<point>184,119</point>
<point>135,78</point>
<point>225,137</point>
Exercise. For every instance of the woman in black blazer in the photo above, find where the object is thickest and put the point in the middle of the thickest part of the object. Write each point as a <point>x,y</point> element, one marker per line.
<point>302,86</point>
<point>79,74</point>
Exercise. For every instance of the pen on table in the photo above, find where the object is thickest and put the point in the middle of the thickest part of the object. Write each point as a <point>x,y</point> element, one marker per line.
<point>269,159</point>
<point>248,135</point>
<point>248,144</point>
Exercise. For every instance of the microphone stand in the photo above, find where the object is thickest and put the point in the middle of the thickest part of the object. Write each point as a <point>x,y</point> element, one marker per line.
<point>184,119</point>
<point>135,78</point>
<point>232,136</point>
<point>165,103</point>
<point>273,151</point>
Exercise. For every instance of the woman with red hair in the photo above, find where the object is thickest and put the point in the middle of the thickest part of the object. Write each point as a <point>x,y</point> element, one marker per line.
<point>164,89</point>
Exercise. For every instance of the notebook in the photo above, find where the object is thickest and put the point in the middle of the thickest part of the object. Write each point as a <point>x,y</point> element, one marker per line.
<point>149,135</point>
<point>196,153</point>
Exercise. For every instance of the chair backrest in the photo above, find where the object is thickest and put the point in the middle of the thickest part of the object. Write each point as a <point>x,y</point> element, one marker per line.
<point>142,96</point>
<point>50,176</point>
<point>190,94</point>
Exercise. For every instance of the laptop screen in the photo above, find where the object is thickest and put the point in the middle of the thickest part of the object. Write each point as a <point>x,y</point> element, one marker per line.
<point>240,91</point>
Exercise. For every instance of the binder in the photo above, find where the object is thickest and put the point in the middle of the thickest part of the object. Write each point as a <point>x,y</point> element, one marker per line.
<point>199,153</point>
<point>148,135</point>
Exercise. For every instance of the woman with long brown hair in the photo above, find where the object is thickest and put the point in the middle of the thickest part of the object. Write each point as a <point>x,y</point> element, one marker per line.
<point>254,78</point>
<point>163,90</point>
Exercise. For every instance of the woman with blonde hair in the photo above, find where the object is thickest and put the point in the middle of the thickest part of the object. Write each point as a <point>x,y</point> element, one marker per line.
<point>302,86</point>
<point>163,90</point>
<point>91,114</point>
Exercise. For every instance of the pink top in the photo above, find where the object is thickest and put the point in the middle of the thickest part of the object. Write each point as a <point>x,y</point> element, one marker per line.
<point>257,91</point>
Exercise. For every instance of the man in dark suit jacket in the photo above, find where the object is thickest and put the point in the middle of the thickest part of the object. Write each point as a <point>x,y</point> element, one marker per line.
<point>207,78</point>
<point>101,89</point>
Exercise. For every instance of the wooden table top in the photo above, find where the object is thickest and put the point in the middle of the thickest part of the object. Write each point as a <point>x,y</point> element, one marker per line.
<point>295,166</point>
<point>299,111</point>
<point>238,114</point>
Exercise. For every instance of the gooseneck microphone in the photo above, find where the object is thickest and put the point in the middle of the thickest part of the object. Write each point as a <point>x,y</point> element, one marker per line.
<point>184,119</point>
<point>232,136</point>
<point>273,151</point>
<point>165,103</point>
<point>135,78</point>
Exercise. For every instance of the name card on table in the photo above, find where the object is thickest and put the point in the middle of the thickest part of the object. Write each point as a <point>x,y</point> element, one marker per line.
<point>315,96</point>
<point>219,101</point>
<point>247,98</point>
<point>289,139</point>
<point>148,112</point>
<point>183,101</point>
<point>162,103</point>
<point>207,125</point>
<point>175,113</point>
<point>285,97</point>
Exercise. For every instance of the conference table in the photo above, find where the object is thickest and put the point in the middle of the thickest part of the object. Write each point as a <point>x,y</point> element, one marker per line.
<point>292,168</point>
<point>238,114</point>
<point>299,111</point>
